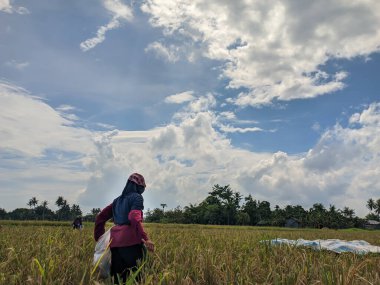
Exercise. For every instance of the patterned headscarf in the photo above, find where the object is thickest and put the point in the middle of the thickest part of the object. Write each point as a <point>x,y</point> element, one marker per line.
<point>130,199</point>
<point>138,179</point>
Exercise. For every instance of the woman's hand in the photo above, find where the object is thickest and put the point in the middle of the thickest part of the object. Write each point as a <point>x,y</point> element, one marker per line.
<point>149,244</point>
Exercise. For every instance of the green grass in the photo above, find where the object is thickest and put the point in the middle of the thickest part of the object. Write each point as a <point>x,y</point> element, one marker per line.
<point>52,253</point>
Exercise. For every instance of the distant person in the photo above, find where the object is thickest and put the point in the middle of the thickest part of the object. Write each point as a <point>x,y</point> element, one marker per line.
<point>77,223</point>
<point>129,241</point>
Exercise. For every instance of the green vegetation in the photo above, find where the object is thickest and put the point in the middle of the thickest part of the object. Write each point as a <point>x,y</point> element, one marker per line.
<point>65,211</point>
<point>223,207</point>
<point>38,253</point>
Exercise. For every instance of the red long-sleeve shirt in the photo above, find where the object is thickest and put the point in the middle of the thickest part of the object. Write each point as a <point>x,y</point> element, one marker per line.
<point>121,235</point>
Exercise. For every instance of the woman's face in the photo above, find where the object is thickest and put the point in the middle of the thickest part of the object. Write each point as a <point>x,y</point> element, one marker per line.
<point>140,189</point>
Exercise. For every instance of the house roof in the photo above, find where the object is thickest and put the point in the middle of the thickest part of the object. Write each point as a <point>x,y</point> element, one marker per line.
<point>294,219</point>
<point>372,222</point>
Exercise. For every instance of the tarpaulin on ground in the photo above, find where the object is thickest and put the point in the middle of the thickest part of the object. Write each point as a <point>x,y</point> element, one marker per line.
<point>335,245</point>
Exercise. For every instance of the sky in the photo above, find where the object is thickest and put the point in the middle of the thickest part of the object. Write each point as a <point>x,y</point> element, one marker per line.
<point>278,99</point>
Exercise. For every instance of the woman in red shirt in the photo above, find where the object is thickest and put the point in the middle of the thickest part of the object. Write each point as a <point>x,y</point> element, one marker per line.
<point>128,238</point>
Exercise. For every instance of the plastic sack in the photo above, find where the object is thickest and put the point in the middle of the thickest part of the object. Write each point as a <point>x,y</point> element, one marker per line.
<point>102,255</point>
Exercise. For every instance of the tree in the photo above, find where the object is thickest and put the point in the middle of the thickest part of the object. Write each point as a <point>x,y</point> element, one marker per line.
<point>174,216</point>
<point>348,213</point>
<point>213,214</point>
<point>92,215</point>
<point>43,212</point>
<point>191,214</point>
<point>228,199</point>
<point>32,202</point>
<point>75,211</point>
<point>44,207</point>
<point>64,211</point>
<point>3,214</point>
<point>154,216</point>
<point>163,207</point>
<point>334,218</point>
<point>95,211</point>
<point>377,208</point>
<point>371,204</point>
<point>279,216</point>
<point>250,207</point>
<point>317,216</point>
<point>60,201</point>
<point>242,218</point>
<point>21,214</point>
<point>264,211</point>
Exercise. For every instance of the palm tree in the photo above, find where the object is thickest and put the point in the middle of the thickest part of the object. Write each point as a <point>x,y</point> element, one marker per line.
<point>317,215</point>
<point>348,213</point>
<point>163,207</point>
<point>44,207</point>
<point>377,208</point>
<point>371,204</point>
<point>60,201</point>
<point>95,211</point>
<point>33,202</point>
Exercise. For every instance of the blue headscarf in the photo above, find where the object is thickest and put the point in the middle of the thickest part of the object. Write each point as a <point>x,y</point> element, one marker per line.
<point>130,199</point>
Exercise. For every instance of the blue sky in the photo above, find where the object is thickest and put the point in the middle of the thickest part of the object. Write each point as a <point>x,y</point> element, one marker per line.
<point>279,99</point>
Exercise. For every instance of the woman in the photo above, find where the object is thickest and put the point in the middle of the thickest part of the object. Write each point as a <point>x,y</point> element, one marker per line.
<point>128,238</point>
<point>77,224</point>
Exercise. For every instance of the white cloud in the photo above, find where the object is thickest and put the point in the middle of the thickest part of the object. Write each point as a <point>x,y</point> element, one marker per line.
<point>17,64</point>
<point>66,108</point>
<point>118,9</point>
<point>5,6</point>
<point>276,49</point>
<point>30,126</point>
<point>228,115</point>
<point>368,117</point>
<point>120,13</point>
<point>182,160</point>
<point>204,103</point>
<point>180,97</point>
<point>42,153</point>
<point>230,129</point>
<point>170,53</point>
<point>316,127</point>
<point>106,126</point>
<point>64,111</point>
<point>41,150</point>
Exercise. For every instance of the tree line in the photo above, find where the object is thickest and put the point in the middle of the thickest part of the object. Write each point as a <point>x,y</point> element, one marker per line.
<point>223,207</point>
<point>41,211</point>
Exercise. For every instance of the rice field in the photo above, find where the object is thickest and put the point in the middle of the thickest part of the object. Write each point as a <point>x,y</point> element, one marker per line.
<point>53,253</point>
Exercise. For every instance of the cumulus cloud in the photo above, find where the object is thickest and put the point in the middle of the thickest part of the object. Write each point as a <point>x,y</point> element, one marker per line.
<point>180,97</point>
<point>42,153</point>
<point>275,50</point>
<point>5,6</point>
<point>368,117</point>
<point>182,161</point>
<point>120,13</point>
<point>41,150</point>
